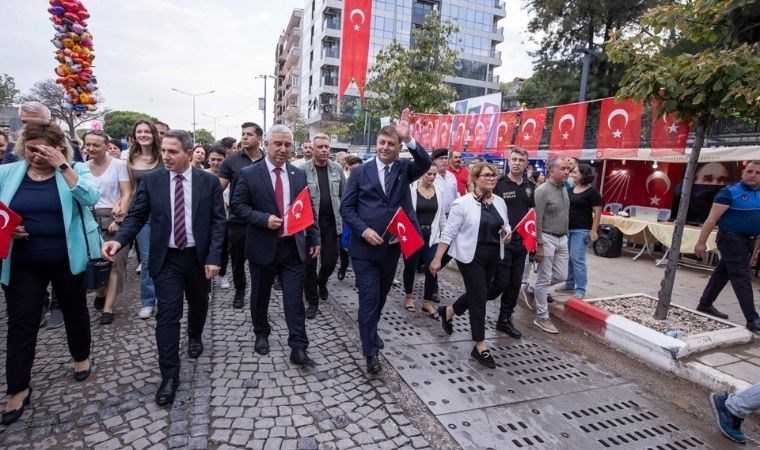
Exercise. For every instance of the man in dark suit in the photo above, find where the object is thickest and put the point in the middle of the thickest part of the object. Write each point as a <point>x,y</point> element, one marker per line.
<point>262,196</point>
<point>373,194</point>
<point>186,210</point>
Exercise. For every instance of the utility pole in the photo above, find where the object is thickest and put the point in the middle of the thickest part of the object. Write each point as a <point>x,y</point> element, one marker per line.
<point>214,118</point>
<point>263,106</point>
<point>193,96</point>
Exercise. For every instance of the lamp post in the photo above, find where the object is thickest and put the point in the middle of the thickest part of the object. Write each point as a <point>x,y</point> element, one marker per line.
<point>214,118</point>
<point>264,77</point>
<point>587,54</point>
<point>193,96</point>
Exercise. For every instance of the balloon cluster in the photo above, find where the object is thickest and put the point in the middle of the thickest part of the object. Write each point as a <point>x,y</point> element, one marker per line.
<point>74,54</point>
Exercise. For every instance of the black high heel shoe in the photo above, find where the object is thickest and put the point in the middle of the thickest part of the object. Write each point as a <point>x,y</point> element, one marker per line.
<point>11,416</point>
<point>83,374</point>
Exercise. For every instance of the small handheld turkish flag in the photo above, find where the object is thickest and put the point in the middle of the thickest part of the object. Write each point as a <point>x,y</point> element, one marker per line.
<point>300,215</point>
<point>527,229</point>
<point>10,220</point>
<point>408,237</point>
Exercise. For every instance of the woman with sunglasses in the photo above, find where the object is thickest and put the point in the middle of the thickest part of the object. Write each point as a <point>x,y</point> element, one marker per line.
<point>112,179</point>
<point>474,236</point>
<point>53,197</point>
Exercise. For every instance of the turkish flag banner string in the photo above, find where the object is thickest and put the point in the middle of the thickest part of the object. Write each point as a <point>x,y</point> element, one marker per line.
<point>355,47</point>
<point>502,136</point>
<point>299,215</point>
<point>10,221</point>
<point>568,130</point>
<point>669,133</point>
<point>619,128</point>
<point>403,228</point>
<point>458,132</point>
<point>527,229</point>
<point>480,135</point>
<point>531,128</point>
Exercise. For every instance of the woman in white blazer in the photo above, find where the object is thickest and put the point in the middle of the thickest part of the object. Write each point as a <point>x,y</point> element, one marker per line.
<point>427,202</point>
<point>474,236</point>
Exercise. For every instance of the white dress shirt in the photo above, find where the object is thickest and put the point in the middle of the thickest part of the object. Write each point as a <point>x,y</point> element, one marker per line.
<point>447,185</point>
<point>285,182</point>
<point>187,187</point>
<point>412,144</point>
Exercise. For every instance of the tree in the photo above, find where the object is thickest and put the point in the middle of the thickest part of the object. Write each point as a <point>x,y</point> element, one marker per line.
<point>414,77</point>
<point>564,27</point>
<point>203,136</point>
<point>297,124</point>
<point>8,91</point>
<point>50,94</point>
<point>118,124</point>
<point>340,130</point>
<point>700,59</point>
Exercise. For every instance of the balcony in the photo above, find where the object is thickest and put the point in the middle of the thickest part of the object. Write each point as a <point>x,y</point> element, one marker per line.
<point>496,54</point>
<point>331,23</point>
<point>330,52</point>
<point>330,81</point>
<point>492,78</point>
<point>497,30</point>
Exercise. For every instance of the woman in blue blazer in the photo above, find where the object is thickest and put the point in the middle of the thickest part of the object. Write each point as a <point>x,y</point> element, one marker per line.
<point>474,236</point>
<point>48,247</point>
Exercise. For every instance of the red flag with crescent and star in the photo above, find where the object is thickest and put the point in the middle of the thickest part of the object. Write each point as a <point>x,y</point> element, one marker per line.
<point>10,221</point>
<point>458,132</point>
<point>669,133</point>
<point>442,132</point>
<point>409,238</point>
<point>527,229</point>
<point>483,126</point>
<point>300,215</point>
<point>505,129</point>
<point>568,130</point>
<point>619,128</point>
<point>531,129</point>
<point>354,45</point>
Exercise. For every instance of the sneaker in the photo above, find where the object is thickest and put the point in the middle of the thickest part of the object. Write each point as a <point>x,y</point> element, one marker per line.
<point>55,318</point>
<point>396,282</point>
<point>546,325</point>
<point>565,288</point>
<point>729,424</point>
<point>139,268</point>
<point>222,281</point>
<point>754,325</point>
<point>146,312</point>
<point>527,296</point>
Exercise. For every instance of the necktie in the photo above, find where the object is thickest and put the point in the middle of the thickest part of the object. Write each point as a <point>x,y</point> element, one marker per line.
<point>180,233</point>
<point>386,178</point>
<point>278,195</point>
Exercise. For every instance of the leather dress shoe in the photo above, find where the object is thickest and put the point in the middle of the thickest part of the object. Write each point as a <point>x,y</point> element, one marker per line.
<point>323,292</point>
<point>300,358</point>
<point>448,327</point>
<point>194,347</point>
<point>380,343</point>
<point>262,345</point>
<point>342,272</point>
<point>311,311</point>
<point>373,365</point>
<point>11,416</point>
<point>483,357</point>
<point>165,393</point>
<point>712,311</point>
<point>83,374</point>
<point>754,325</point>
<point>237,302</point>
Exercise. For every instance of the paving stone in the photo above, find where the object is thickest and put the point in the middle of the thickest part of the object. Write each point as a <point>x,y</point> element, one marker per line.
<point>744,370</point>
<point>717,359</point>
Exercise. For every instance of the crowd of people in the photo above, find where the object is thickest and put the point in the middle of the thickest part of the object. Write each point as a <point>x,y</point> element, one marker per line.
<point>191,210</point>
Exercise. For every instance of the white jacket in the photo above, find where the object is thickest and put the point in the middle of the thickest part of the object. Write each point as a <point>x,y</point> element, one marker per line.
<point>463,225</point>
<point>439,220</point>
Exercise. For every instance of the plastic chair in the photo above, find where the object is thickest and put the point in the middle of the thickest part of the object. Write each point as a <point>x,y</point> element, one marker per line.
<point>631,210</point>
<point>663,214</point>
<point>612,207</point>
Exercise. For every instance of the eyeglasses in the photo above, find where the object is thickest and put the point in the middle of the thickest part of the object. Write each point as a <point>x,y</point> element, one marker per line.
<point>488,176</point>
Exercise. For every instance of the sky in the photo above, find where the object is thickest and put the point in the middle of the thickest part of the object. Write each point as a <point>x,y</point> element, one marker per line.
<point>144,48</point>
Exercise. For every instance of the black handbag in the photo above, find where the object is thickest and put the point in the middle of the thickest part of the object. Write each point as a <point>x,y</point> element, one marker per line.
<point>98,270</point>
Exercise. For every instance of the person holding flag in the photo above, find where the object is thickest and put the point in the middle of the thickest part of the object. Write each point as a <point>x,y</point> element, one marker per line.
<point>374,193</point>
<point>474,236</point>
<point>276,246</point>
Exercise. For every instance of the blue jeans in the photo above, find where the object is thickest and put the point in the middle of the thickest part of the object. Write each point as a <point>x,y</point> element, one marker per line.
<point>743,403</point>
<point>147,290</point>
<point>577,272</point>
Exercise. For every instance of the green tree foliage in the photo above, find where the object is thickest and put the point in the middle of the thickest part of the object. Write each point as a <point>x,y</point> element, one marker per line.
<point>702,59</point>
<point>118,124</point>
<point>564,25</point>
<point>340,130</point>
<point>203,136</point>
<point>297,124</point>
<point>50,94</point>
<point>413,77</point>
<point>8,91</point>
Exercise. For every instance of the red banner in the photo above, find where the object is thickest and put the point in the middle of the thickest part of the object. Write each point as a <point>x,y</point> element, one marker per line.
<point>619,128</point>
<point>531,128</point>
<point>442,132</point>
<point>480,134</point>
<point>458,132</point>
<point>501,138</point>
<point>357,15</point>
<point>568,130</point>
<point>669,133</point>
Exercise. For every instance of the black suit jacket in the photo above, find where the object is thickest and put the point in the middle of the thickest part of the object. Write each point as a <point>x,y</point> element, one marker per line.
<point>152,201</point>
<point>254,199</point>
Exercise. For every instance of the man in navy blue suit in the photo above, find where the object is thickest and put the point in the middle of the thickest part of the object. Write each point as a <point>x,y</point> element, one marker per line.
<point>186,210</point>
<point>373,194</point>
<point>262,196</point>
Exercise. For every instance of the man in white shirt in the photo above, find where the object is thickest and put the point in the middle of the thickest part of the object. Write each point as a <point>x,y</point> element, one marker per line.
<point>445,181</point>
<point>308,154</point>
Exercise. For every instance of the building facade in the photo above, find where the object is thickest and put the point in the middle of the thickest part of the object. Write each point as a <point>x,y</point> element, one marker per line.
<point>475,42</point>
<point>287,71</point>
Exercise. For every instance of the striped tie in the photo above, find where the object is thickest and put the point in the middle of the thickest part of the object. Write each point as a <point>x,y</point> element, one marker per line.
<point>386,179</point>
<point>180,233</point>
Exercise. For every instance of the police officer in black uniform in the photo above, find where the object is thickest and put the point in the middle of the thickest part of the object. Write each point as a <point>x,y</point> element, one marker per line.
<point>517,192</point>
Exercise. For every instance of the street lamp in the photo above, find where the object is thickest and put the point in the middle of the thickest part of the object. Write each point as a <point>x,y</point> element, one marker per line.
<point>587,54</point>
<point>193,96</point>
<point>264,77</point>
<point>214,119</point>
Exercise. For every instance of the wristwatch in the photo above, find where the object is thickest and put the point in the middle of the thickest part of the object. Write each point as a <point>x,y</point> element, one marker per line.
<point>63,167</point>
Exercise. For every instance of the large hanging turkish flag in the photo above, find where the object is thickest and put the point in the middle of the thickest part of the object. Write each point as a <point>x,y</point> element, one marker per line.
<point>501,138</point>
<point>669,133</point>
<point>619,128</point>
<point>355,45</point>
<point>442,132</point>
<point>483,127</point>
<point>458,132</point>
<point>531,129</point>
<point>568,130</point>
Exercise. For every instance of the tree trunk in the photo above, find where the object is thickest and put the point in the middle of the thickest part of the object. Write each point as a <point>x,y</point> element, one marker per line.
<point>666,286</point>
